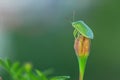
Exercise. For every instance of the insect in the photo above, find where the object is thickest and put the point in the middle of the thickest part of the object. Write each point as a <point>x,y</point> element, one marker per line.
<point>82,29</point>
<point>83,35</point>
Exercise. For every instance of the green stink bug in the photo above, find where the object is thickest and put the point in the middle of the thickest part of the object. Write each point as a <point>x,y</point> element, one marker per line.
<point>83,29</point>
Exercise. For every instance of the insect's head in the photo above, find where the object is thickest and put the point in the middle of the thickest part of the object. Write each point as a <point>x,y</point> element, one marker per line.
<point>73,24</point>
<point>83,29</point>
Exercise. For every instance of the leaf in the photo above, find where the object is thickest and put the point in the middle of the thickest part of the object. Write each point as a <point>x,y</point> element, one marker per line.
<point>60,78</point>
<point>5,64</point>
<point>2,63</point>
<point>8,64</point>
<point>19,72</point>
<point>41,75</point>
<point>15,66</point>
<point>48,71</point>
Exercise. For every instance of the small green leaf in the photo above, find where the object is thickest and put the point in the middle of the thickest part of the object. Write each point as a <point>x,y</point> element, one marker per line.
<point>41,75</point>
<point>2,63</point>
<point>60,78</point>
<point>15,66</point>
<point>5,64</point>
<point>8,63</point>
<point>48,71</point>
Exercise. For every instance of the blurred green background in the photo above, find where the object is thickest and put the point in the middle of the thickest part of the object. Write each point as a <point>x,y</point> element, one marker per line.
<point>40,32</point>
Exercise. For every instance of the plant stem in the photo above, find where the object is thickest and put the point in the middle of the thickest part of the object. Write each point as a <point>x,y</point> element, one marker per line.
<point>82,64</point>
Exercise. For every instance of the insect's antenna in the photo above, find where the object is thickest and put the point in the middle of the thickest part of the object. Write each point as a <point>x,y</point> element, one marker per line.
<point>73,16</point>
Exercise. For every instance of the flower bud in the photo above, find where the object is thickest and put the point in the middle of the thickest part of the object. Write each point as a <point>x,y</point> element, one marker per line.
<point>82,46</point>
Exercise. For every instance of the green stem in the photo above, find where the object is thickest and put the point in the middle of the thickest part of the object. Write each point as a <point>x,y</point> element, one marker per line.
<point>82,64</point>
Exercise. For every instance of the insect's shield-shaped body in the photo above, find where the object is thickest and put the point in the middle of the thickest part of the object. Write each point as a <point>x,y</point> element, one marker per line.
<point>83,29</point>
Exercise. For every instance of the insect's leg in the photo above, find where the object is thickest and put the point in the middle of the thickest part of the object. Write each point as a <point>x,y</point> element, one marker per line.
<point>78,31</point>
<point>75,33</point>
<point>78,34</point>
